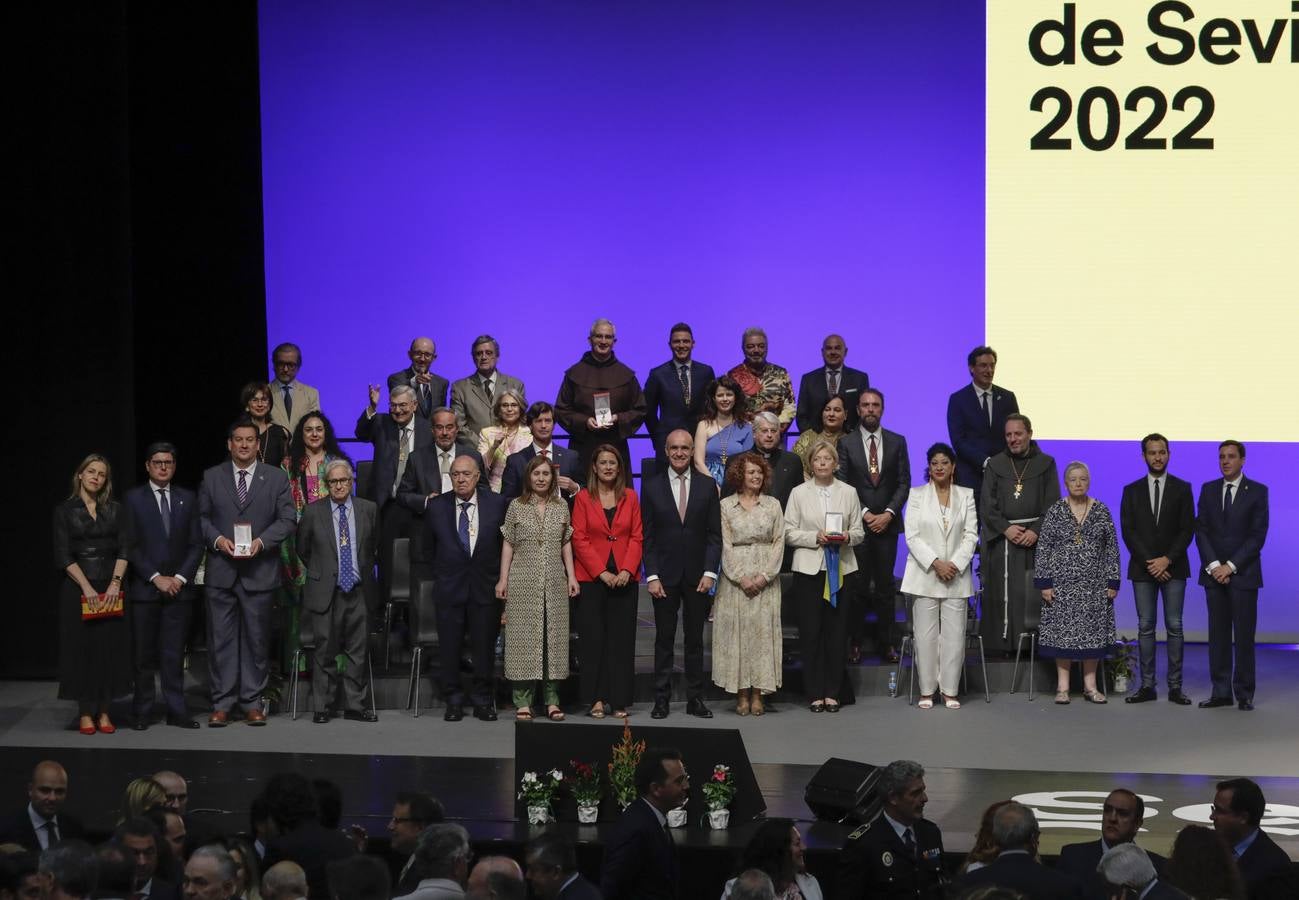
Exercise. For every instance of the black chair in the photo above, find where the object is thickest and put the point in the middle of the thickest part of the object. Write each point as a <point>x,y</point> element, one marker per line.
<point>398,592</point>
<point>1032,619</point>
<point>423,633</point>
<point>972,636</point>
<point>364,470</point>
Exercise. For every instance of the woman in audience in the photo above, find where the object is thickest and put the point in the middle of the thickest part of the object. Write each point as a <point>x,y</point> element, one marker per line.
<point>777,849</point>
<point>985,849</point>
<point>507,434</point>
<point>141,795</point>
<point>607,541</point>
<point>833,416</point>
<point>1202,866</point>
<point>724,431</point>
<point>248,876</point>
<point>537,579</point>
<point>91,542</point>
<point>746,614</point>
<point>272,439</point>
<point>822,523</point>
<point>941,530</point>
<point>1077,571</point>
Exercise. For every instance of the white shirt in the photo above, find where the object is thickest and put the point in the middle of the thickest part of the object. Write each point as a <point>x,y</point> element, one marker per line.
<point>38,825</point>
<point>251,470</point>
<point>549,450</point>
<point>674,481</point>
<point>445,459</point>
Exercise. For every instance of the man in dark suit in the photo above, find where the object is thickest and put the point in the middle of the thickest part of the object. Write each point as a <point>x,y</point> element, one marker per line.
<point>1015,834</point>
<point>42,823</point>
<point>1229,533</point>
<point>428,474</point>
<point>874,461</point>
<point>976,419</point>
<point>552,870</point>
<point>412,812</point>
<point>1157,518</point>
<point>430,390</point>
<point>462,547</point>
<point>1121,819</point>
<point>299,836</point>
<point>1237,813</point>
<point>164,558</point>
<point>899,853</point>
<point>541,422</point>
<point>675,391</point>
<point>336,541</point>
<point>640,858</point>
<point>139,838</point>
<point>235,496</point>
<point>832,379</point>
<point>682,521</point>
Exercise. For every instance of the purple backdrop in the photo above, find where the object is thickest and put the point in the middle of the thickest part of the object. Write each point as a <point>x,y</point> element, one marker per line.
<point>520,169</point>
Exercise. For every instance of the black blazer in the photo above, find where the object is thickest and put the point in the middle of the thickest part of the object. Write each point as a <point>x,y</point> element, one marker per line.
<point>437,390</point>
<point>153,550</point>
<point>17,829</point>
<point>640,860</point>
<point>1171,537</point>
<point>973,439</point>
<point>460,578</point>
<point>1240,538</point>
<point>312,846</point>
<point>680,552</point>
<point>579,889</point>
<point>1021,872</point>
<point>381,431</point>
<point>895,474</point>
<point>666,409</point>
<point>1262,859</point>
<point>570,466</point>
<point>1080,860</point>
<point>423,476</point>
<point>813,394</point>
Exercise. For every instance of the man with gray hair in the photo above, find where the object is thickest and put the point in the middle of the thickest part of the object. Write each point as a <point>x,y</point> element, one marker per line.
<point>284,881</point>
<point>600,399</point>
<point>1128,868</point>
<point>766,387</point>
<point>472,397</point>
<point>210,874</point>
<point>70,870</point>
<point>1015,834</point>
<point>442,861</point>
<point>337,540</point>
<point>753,884</point>
<point>786,467</point>
<point>899,853</point>
<point>496,878</point>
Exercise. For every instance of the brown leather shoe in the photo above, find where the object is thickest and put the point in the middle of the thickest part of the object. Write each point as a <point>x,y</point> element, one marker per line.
<point>255,717</point>
<point>218,719</point>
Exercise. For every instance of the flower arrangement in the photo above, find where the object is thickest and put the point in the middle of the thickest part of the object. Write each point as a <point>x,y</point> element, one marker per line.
<point>719,789</point>
<point>539,790</point>
<point>584,782</point>
<point>622,768</point>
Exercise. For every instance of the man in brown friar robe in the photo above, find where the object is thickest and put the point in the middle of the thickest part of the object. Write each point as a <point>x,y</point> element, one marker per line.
<point>1018,486</point>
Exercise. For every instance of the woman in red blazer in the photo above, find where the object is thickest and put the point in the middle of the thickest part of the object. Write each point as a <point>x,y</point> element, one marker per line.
<point>607,551</point>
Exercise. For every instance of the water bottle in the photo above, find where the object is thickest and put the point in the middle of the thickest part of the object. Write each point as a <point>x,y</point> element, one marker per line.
<point>893,683</point>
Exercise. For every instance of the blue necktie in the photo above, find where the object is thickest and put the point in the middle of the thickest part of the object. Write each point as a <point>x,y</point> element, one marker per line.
<point>347,578</point>
<point>1226,503</point>
<point>464,526</point>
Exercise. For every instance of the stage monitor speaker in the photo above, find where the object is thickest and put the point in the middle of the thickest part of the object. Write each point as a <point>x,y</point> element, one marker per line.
<point>844,791</point>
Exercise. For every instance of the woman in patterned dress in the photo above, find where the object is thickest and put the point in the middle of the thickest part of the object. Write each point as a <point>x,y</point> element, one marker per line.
<point>724,431</point>
<point>1077,571</point>
<point>506,435</point>
<point>537,579</point>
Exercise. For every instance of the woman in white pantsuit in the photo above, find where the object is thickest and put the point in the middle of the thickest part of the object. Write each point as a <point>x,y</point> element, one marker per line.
<point>941,530</point>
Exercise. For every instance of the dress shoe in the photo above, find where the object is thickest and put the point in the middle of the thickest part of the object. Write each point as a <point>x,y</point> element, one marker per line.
<point>218,719</point>
<point>660,710</point>
<point>696,708</point>
<point>360,715</point>
<point>140,723</point>
<point>1245,706</point>
<point>1215,702</point>
<point>455,712</point>
<point>182,722</point>
<point>485,713</point>
<point>320,718</point>
<point>1176,696</point>
<point>256,717</point>
<point>1145,695</point>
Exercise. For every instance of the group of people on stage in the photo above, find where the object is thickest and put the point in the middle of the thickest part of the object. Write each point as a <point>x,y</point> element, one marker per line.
<point>515,531</point>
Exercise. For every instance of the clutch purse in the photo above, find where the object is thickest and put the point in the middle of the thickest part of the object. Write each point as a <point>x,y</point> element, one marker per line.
<point>112,611</point>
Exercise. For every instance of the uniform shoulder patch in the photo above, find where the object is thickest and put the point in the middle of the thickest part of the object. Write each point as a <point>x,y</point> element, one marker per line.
<point>859,832</point>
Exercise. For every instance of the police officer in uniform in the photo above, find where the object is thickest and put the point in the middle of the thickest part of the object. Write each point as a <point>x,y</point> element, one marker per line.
<point>898,854</point>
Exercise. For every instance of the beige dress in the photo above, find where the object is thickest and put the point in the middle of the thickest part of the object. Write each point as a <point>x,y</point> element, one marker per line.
<point>746,630</point>
<point>537,591</point>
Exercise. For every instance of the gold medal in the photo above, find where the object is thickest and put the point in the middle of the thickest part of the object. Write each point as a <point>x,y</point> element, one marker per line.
<point>1019,489</point>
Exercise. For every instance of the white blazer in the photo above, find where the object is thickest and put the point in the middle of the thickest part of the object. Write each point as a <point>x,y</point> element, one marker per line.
<point>928,541</point>
<point>805,516</point>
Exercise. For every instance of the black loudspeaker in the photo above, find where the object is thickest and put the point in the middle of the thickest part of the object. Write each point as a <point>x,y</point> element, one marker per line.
<point>844,791</point>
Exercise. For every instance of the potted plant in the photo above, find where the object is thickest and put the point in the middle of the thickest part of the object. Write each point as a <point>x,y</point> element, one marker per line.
<point>622,767</point>
<point>538,792</point>
<point>719,791</point>
<point>1120,667</point>
<point>584,781</point>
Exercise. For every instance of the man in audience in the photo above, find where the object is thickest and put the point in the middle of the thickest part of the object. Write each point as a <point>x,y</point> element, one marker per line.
<point>358,877</point>
<point>1018,486</point>
<point>976,419</point>
<point>412,812</point>
<point>552,870</point>
<point>290,398</point>
<point>1157,517</point>
<point>833,379</point>
<point>115,879</point>
<point>496,878</point>
<point>1237,813</point>
<point>767,387</point>
<point>20,877</point>
<point>299,836</point>
<point>675,391</point>
<point>1121,819</point>
<point>472,397</point>
<point>874,461</point>
<point>640,857</point>
<point>430,391</point>
<point>70,871</point>
<point>753,884</point>
<point>238,580</point>
<point>210,874</point>
<point>1229,533</point>
<point>41,824</point>
<point>140,839</point>
<point>1128,867</point>
<point>176,788</point>
<point>899,853</point>
<point>184,829</point>
<point>174,831</point>
<point>164,557</point>
<point>285,881</point>
<point>442,863</point>
<point>786,467</point>
<point>682,523</point>
<point>540,418</point>
<point>1015,835</point>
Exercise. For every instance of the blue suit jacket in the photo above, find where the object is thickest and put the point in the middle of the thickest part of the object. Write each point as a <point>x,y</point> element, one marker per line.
<point>270,510</point>
<point>973,439</point>
<point>153,550</point>
<point>666,408</point>
<point>1238,538</point>
<point>570,466</point>
<point>458,577</point>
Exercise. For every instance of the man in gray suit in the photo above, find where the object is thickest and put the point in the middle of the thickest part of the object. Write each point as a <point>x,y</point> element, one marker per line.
<point>337,540</point>
<point>237,495</point>
<point>430,389</point>
<point>472,397</point>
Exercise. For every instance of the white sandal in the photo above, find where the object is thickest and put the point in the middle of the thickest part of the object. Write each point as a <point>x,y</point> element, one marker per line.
<point>951,702</point>
<point>925,703</point>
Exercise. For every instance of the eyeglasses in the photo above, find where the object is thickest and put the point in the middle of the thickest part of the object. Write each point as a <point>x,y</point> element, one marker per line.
<point>286,364</point>
<point>162,463</point>
<point>337,482</point>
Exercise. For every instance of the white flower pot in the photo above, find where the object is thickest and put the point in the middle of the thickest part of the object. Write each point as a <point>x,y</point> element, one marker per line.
<point>538,815</point>
<point>719,818</point>
<point>1120,684</point>
<point>676,818</point>
<point>588,814</point>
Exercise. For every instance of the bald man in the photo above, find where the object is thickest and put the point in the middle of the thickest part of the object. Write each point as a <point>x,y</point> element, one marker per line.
<point>496,878</point>
<point>42,823</point>
<point>284,881</point>
<point>430,389</point>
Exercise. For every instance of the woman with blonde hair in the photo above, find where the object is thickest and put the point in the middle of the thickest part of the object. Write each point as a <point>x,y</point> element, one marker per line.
<point>507,434</point>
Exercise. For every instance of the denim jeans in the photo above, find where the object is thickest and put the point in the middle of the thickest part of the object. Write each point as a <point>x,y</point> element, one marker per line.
<point>1147,594</point>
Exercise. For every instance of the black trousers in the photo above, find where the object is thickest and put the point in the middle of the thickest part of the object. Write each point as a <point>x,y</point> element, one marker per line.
<point>875,589</point>
<point>822,641</point>
<point>1233,617</point>
<point>481,620</point>
<point>395,521</point>
<point>159,627</point>
<point>606,627</point>
<point>694,606</point>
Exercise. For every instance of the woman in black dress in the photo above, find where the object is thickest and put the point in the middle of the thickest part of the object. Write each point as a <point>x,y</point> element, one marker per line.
<point>90,545</point>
